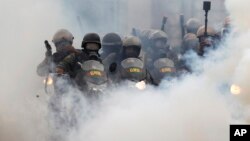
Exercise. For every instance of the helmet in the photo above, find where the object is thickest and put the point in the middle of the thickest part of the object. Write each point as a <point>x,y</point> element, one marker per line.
<point>91,38</point>
<point>132,41</point>
<point>158,39</point>
<point>112,39</point>
<point>189,36</point>
<point>131,46</point>
<point>211,40</point>
<point>158,34</point>
<point>111,42</point>
<point>144,36</point>
<point>62,35</point>
<point>210,31</point>
<point>192,25</point>
<point>190,41</point>
<point>145,33</point>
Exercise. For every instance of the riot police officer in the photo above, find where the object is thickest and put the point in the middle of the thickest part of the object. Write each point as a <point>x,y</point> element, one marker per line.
<point>190,44</point>
<point>111,44</point>
<point>63,41</point>
<point>192,25</point>
<point>206,42</point>
<point>131,66</point>
<point>160,47</point>
<point>91,45</point>
<point>111,52</point>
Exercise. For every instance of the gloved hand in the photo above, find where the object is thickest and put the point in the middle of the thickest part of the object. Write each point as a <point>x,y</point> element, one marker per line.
<point>59,70</point>
<point>48,53</point>
<point>48,57</point>
<point>206,43</point>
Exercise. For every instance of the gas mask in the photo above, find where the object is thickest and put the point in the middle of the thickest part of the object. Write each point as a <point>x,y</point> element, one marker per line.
<point>92,50</point>
<point>94,55</point>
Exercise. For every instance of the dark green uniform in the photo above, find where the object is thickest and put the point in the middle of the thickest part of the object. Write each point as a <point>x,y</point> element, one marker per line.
<point>70,63</point>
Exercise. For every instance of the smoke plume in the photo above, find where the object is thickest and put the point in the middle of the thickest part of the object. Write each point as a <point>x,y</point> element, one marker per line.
<point>193,108</point>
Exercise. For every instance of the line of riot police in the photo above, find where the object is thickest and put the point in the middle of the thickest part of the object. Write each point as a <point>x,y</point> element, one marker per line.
<point>132,61</point>
<point>146,57</point>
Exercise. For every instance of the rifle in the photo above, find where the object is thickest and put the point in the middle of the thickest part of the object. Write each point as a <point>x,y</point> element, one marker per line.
<point>48,46</point>
<point>164,21</point>
<point>182,26</point>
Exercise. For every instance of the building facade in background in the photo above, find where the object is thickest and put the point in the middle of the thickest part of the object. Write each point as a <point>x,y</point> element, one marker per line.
<point>121,16</point>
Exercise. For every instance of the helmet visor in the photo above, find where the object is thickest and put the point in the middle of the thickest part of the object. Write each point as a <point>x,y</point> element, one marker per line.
<point>160,43</point>
<point>111,49</point>
<point>131,51</point>
<point>60,45</point>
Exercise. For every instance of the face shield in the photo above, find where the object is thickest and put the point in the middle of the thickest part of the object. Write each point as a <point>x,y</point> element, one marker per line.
<point>190,45</point>
<point>107,49</point>
<point>131,52</point>
<point>92,46</point>
<point>62,44</point>
<point>160,43</point>
<point>159,49</point>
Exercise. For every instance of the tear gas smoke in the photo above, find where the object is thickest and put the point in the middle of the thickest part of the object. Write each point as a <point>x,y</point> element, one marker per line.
<point>239,18</point>
<point>192,108</point>
<point>24,26</point>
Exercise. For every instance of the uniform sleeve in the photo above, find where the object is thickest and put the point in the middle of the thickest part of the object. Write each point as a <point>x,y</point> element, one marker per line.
<point>43,68</point>
<point>67,62</point>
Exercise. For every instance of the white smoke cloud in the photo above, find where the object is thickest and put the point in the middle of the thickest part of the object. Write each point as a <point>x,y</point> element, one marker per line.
<point>24,26</point>
<point>184,112</point>
<point>191,109</point>
<point>237,63</point>
<point>239,13</point>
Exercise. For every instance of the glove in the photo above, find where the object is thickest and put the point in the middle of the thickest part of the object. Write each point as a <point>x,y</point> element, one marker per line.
<point>59,70</point>
<point>48,53</point>
<point>205,43</point>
